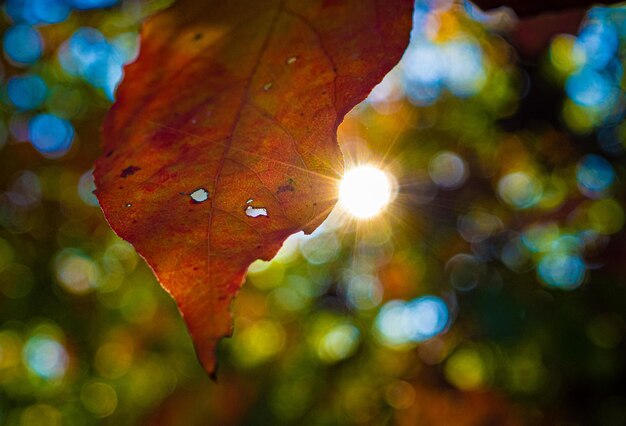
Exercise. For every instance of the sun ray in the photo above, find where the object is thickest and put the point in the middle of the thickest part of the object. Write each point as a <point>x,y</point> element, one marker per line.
<point>365,191</point>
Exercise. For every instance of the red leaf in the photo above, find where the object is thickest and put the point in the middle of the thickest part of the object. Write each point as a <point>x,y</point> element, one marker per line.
<point>525,8</point>
<point>229,102</point>
<point>541,20</point>
<point>533,35</point>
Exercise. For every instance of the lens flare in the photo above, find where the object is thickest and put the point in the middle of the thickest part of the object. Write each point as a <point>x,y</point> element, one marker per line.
<point>365,191</point>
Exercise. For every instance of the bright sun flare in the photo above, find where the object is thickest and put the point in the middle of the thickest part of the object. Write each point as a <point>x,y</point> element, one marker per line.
<point>364,191</point>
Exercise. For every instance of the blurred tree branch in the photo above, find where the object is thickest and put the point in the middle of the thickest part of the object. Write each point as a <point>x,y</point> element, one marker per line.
<point>525,8</point>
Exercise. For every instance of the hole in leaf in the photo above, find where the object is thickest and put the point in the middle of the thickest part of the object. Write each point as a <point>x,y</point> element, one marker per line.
<point>252,211</point>
<point>199,195</point>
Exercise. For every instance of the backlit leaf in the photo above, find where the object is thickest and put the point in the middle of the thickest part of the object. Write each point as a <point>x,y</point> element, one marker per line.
<point>223,139</point>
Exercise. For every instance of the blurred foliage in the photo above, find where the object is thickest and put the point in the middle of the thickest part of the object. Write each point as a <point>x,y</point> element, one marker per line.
<point>491,291</point>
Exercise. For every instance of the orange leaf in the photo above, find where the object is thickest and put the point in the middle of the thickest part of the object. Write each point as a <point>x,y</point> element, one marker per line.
<point>222,142</point>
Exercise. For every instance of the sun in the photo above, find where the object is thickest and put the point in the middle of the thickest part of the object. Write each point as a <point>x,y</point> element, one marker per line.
<point>364,191</point>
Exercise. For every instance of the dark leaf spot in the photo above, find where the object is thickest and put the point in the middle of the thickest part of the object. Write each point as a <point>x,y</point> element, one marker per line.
<point>285,188</point>
<point>130,170</point>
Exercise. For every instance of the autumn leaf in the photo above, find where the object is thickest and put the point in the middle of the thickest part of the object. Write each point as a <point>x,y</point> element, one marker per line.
<point>526,8</point>
<point>222,142</point>
<point>541,20</point>
<point>533,35</point>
